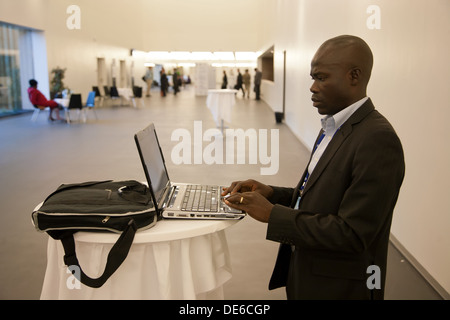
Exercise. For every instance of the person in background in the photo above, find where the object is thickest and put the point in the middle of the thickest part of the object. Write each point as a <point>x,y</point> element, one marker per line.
<point>238,85</point>
<point>38,99</point>
<point>258,77</point>
<point>164,82</point>
<point>149,80</point>
<point>175,81</point>
<point>334,225</point>
<point>247,79</point>
<point>224,80</point>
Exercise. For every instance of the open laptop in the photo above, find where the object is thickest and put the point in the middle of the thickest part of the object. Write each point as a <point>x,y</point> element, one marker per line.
<point>178,200</point>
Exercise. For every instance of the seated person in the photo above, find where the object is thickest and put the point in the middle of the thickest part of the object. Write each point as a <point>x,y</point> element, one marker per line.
<point>38,99</point>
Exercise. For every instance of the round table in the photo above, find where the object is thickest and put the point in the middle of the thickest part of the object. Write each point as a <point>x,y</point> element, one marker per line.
<point>220,102</point>
<point>175,259</point>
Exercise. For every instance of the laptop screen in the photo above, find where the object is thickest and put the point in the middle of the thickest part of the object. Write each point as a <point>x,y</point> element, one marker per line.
<point>152,161</point>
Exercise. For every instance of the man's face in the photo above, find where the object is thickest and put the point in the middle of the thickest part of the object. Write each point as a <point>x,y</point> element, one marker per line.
<point>331,86</point>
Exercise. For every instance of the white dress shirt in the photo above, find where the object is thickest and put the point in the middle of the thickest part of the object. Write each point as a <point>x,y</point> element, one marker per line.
<point>331,124</point>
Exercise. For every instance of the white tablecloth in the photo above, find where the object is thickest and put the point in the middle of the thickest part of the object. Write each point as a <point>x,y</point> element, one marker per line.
<point>176,259</point>
<point>62,101</point>
<point>220,103</point>
<point>126,93</point>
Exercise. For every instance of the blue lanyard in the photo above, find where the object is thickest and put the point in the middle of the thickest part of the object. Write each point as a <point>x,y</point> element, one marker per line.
<point>307,173</point>
<point>314,150</point>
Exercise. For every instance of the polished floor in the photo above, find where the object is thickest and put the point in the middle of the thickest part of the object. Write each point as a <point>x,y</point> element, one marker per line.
<point>36,157</point>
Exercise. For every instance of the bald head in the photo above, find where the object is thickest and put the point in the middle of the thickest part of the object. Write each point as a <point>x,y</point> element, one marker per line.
<point>349,52</point>
<point>341,70</point>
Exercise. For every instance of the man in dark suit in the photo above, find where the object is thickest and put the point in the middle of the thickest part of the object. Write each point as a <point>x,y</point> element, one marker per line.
<point>258,78</point>
<point>334,226</point>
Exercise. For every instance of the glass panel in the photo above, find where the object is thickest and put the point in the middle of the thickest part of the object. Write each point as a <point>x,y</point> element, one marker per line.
<point>15,53</point>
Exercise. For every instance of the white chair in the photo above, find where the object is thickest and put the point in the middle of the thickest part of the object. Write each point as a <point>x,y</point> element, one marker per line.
<point>36,112</point>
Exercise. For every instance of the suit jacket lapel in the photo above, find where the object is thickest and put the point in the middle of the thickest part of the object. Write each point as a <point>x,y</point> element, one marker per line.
<point>337,141</point>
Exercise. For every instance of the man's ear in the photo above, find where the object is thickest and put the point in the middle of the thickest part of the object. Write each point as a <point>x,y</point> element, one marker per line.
<point>355,76</point>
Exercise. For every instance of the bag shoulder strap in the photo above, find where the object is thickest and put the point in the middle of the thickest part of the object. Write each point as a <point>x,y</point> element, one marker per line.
<point>116,256</point>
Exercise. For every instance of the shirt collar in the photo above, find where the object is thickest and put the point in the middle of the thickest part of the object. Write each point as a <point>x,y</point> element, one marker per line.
<point>331,123</point>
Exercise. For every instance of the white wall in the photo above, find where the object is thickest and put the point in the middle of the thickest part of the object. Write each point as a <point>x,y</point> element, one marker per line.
<point>409,86</point>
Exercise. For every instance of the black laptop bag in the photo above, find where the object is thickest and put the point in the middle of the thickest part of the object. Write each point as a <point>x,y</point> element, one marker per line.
<point>117,206</point>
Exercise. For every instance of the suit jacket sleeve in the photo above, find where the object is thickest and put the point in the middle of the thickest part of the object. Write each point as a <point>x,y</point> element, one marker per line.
<point>281,195</point>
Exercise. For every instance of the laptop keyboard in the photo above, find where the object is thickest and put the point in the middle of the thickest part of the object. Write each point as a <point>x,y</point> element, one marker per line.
<point>200,198</point>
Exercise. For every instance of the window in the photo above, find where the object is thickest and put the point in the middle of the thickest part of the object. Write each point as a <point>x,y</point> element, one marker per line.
<point>16,67</point>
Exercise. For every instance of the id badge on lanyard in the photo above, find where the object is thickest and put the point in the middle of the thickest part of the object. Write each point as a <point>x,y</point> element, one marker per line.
<point>297,203</point>
<point>301,191</point>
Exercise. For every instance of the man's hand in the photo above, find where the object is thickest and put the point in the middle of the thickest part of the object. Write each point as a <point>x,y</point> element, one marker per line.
<point>256,205</point>
<point>247,186</point>
<point>250,196</point>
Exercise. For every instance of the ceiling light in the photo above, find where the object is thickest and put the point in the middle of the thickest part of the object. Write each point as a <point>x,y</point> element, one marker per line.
<point>245,55</point>
<point>138,53</point>
<point>180,55</point>
<point>229,56</point>
<point>158,55</point>
<point>202,56</point>
<point>186,64</point>
<point>246,65</point>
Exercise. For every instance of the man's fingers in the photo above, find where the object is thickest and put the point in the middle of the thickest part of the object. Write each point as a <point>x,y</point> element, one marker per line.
<point>230,188</point>
<point>235,199</point>
<point>233,188</point>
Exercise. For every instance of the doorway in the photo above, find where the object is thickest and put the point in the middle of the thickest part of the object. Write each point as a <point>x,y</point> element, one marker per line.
<point>101,74</point>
